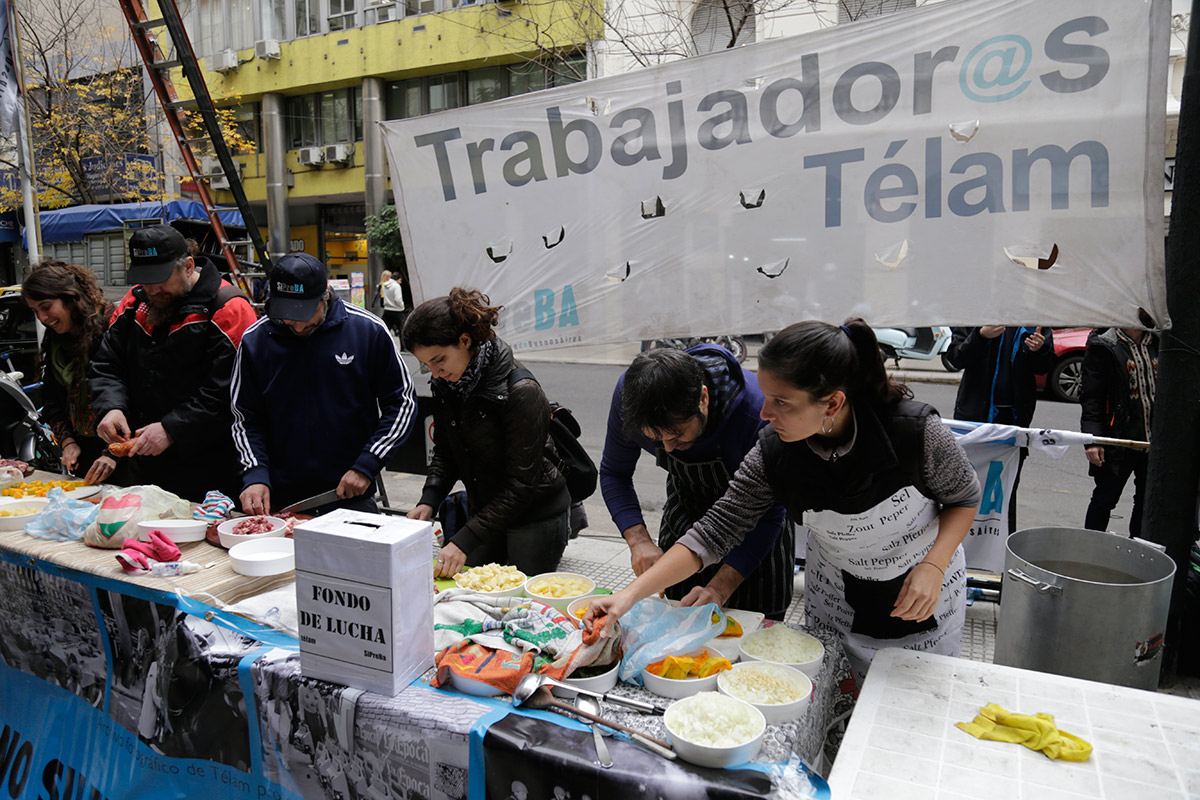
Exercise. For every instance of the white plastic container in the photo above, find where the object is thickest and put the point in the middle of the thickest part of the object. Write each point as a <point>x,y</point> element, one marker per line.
<point>177,530</point>
<point>561,603</point>
<point>708,755</point>
<point>228,538</point>
<point>811,667</point>
<point>682,687</point>
<point>263,557</point>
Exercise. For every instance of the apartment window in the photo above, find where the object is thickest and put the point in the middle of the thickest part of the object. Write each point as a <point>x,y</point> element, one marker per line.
<point>486,84</point>
<point>302,120</point>
<point>325,118</point>
<point>240,16</point>
<point>381,11</point>
<point>307,16</point>
<point>536,75</point>
<point>443,93</point>
<point>851,10</point>
<point>721,24</point>
<point>275,20</point>
<point>341,15</point>
<point>245,123</point>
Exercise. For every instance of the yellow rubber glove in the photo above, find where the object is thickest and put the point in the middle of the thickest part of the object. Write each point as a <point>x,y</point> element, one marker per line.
<point>1037,732</point>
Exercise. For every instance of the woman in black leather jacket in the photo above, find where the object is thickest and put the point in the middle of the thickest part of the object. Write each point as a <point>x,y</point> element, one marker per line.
<point>492,436</point>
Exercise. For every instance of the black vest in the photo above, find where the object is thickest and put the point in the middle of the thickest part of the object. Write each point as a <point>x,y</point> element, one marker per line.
<point>888,453</point>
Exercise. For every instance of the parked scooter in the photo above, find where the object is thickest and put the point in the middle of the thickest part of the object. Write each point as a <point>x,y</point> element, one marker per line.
<point>923,344</point>
<point>23,435</point>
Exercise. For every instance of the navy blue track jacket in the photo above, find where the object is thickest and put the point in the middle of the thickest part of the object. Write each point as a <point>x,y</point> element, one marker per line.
<point>306,409</point>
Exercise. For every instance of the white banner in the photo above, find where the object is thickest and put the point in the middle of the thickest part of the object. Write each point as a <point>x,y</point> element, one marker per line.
<point>8,75</point>
<point>911,169</point>
<point>994,451</point>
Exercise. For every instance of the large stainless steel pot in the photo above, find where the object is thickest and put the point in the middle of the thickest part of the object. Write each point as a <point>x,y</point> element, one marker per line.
<point>1084,604</point>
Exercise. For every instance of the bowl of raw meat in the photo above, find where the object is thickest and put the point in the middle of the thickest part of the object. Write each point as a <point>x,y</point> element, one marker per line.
<point>246,529</point>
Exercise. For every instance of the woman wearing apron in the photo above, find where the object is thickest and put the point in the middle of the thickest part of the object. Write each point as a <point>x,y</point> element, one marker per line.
<point>885,490</point>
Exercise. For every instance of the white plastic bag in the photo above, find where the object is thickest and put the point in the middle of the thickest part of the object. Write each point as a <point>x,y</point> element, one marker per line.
<point>653,629</point>
<point>63,519</point>
<point>122,509</point>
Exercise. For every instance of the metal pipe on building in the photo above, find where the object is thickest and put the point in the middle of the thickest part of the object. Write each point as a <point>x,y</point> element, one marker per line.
<point>375,162</point>
<point>274,135</point>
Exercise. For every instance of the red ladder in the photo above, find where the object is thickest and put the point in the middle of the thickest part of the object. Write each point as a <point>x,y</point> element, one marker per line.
<point>158,67</point>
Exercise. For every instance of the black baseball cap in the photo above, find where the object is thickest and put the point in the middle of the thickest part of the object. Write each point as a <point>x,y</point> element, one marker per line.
<point>153,252</point>
<point>297,286</point>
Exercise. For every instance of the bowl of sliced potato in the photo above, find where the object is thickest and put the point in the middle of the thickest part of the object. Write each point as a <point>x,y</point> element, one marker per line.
<point>492,580</point>
<point>559,589</point>
<point>15,513</point>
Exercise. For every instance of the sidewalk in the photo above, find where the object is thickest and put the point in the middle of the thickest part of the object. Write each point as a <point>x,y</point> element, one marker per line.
<point>619,355</point>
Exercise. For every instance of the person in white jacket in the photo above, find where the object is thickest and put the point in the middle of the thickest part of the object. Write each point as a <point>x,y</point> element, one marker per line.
<point>393,301</point>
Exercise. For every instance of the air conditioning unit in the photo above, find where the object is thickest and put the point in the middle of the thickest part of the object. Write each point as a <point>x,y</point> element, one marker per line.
<point>311,156</point>
<point>339,153</point>
<point>267,49</point>
<point>224,61</point>
<point>223,181</point>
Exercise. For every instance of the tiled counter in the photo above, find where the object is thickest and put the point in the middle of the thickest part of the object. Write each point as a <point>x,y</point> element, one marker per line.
<point>902,744</point>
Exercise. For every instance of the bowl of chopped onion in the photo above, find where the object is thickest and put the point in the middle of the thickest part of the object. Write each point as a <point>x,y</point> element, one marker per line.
<point>780,644</point>
<point>781,693</point>
<point>559,589</point>
<point>714,730</point>
<point>492,580</point>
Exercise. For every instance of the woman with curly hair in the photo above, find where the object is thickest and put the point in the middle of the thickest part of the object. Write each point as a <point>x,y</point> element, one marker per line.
<point>491,431</point>
<point>68,302</point>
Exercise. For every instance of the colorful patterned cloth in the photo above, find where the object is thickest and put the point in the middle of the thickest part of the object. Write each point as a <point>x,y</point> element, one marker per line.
<point>216,506</point>
<point>500,640</point>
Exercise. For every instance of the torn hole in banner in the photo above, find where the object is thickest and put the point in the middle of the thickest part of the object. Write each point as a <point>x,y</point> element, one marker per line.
<point>894,255</point>
<point>753,83</point>
<point>554,238</point>
<point>599,106</point>
<point>1032,256</point>
<point>775,268</point>
<point>500,250</point>
<point>964,131</point>
<point>618,273</point>
<point>653,208</point>
<point>751,198</point>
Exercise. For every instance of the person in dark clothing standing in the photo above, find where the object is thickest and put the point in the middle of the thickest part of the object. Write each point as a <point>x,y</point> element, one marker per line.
<point>162,371</point>
<point>999,384</point>
<point>696,412</point>
<point>1120,367</point>
<point>492,432</point>
<point>316,363</point>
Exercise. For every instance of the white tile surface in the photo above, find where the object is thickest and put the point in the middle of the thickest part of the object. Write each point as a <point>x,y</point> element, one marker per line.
<point>902,744</point>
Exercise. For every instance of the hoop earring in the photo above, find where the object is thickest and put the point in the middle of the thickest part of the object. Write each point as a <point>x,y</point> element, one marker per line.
<point>830,421</point>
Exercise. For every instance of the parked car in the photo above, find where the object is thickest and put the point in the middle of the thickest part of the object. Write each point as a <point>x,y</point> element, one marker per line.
<point>1065,379</point>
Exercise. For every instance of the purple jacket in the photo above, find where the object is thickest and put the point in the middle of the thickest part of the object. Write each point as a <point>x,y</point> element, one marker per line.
<point>738,401</point>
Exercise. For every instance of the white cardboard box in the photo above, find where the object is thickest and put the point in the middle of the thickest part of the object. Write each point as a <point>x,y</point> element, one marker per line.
<point>364,593</point>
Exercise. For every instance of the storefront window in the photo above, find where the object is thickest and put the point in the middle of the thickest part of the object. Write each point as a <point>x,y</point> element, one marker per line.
<point>484,85</point>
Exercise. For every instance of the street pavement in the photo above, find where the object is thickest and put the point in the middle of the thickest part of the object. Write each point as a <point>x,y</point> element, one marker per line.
<point>1053,492</point>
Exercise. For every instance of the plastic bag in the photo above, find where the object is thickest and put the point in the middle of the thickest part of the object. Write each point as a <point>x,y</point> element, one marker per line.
<point>654,629</point>
<point>63,519</point>
<point>122,509</point>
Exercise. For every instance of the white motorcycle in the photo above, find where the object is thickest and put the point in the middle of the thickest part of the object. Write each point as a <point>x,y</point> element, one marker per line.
<point>923,344</point>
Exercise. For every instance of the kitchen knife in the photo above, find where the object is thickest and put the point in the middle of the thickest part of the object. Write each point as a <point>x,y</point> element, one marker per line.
<point>311,502</point>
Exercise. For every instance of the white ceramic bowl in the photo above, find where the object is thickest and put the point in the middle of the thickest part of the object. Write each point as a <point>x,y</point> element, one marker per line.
<point>514,591</point>
<point>471,686</point>
<point>599,683</point>
<point>228,538</point>
<point>811,668</point>
<point>682,687</point>
<point>35,506</point>
<point>707,755</point>
<point>775,713</point>
<point>574,607</point>
<point>561,603</point>
<point>177,530</point>
<point>270,556</point>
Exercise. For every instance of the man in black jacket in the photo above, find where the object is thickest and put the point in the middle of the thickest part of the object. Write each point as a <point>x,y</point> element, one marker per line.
<point>162,371</point>
<point>1120,366</point>
<point>999,384</point>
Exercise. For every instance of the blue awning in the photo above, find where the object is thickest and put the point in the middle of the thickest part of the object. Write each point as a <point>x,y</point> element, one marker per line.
<point>71,224</point>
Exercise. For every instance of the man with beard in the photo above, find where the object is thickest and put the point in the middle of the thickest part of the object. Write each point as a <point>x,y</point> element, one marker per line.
<point>161,374</point>
<point>321,397</point>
